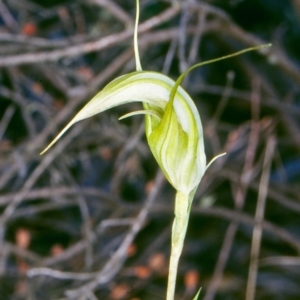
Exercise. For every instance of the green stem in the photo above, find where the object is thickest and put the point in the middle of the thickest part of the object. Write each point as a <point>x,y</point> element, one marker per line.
<point>135,38</point>
<point>182,212</point>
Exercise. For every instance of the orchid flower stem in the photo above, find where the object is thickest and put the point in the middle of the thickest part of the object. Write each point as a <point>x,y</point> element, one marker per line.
<point>182,212</point>
<point>135,38</point>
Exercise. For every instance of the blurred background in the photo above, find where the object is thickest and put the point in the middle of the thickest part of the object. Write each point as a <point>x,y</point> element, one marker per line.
<point>91,219</point>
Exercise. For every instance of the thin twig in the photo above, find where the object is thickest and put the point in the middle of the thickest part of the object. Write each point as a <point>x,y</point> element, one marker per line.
<point>105,42</point>
<point>9,210</point>
<point>259,217</point>
<point>5,119</point>
<point>115,10</point>
<point>115,263</point>
<point>239,197</point>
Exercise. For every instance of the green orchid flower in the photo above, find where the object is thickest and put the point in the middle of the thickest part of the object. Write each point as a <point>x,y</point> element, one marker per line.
<point>174,133</point>
<point>170,125</point>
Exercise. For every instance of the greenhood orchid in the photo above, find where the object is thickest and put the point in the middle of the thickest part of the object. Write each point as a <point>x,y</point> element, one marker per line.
<point>173,130</point>
<point>169,124</point>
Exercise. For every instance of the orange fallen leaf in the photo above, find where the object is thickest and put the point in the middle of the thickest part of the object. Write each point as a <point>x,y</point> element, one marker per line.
<point>56,250</point>
<point>157,262</point>
<point>191,280</point>
<point>29,29</point>
<point>142,272</point>
<point>131,250</point>
<point>23,238</point>
<point>120,291</point>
